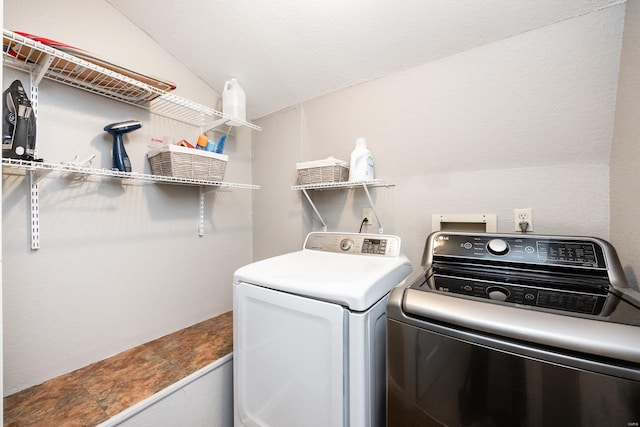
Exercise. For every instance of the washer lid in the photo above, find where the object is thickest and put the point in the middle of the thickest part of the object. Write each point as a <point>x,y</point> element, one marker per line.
<point>353,280</point>
<point>580,335</point>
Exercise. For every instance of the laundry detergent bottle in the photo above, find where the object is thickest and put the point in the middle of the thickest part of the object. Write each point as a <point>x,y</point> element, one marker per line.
<point>234,100</point>
<point>361,166</point>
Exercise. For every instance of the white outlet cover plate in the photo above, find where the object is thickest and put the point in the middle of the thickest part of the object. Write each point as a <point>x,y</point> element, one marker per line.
<point>368,213</point>
<point>520,214</point>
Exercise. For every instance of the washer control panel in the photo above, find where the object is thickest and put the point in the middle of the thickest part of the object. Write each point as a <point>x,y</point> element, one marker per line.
<point>560,273</point>
<point>354,243</point>
<point>535,250</point>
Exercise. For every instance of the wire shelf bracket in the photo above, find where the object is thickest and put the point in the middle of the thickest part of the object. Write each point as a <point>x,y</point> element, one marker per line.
<point>34,209</point>
<point>344,185</point>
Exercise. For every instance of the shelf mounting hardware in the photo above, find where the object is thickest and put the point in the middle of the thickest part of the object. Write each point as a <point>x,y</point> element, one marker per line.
<point>324,224</point>
<point>373,208</point>
<point>344,185</point>
<point>201,211</point>
<point>42,69</point>
<point>34,208</point>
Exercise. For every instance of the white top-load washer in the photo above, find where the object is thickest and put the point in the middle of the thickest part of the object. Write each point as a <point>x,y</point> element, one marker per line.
<point>309,335</point>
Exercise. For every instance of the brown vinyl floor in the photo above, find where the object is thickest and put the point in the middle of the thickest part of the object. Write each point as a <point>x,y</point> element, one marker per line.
<point>95,393</point>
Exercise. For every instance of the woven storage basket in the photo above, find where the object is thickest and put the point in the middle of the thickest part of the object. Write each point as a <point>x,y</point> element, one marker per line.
<point>323,171</point>
<point>183,162</point>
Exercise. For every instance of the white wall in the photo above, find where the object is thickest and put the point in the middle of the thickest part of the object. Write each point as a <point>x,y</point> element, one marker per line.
<point>522,122</point>
<point>275,149</point>
<point>120,263</point>
<point>625,155</point>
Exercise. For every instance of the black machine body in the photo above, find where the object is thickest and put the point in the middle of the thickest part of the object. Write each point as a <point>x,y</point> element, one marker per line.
<point>18,124</point>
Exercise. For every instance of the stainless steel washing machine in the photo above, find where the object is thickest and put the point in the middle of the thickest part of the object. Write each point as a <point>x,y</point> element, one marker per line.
<point>514,330</point>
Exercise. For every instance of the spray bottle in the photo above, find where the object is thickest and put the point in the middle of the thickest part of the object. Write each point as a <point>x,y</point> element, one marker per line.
<point>361,166</point>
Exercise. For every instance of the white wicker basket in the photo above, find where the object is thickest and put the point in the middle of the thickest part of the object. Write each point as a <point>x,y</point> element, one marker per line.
<point>184,162</point>
<point>323,171</point>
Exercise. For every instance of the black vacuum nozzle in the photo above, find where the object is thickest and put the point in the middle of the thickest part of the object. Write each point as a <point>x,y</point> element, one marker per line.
<point>121,160</point>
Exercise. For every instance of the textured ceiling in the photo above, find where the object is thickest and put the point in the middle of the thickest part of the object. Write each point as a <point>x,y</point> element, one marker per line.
<point>284,52</point>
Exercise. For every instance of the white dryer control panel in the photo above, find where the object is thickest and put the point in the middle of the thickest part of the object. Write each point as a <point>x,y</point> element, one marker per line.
<point>354,243</point>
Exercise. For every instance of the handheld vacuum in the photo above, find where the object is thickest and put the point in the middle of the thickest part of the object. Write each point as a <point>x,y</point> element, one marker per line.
<point>18,124</point>
<point>121,160</point>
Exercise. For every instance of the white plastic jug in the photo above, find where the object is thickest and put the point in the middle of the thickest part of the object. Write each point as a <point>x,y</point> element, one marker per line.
<point>234,100</point>
<point>361,166</point>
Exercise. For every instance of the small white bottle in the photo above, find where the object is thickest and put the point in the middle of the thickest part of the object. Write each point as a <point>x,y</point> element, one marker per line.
<point>361,166</point>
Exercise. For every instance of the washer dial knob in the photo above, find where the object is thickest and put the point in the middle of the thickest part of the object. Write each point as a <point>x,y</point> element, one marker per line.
<point>498,247</point>
<point>346,244</point>
<point>498,293</point>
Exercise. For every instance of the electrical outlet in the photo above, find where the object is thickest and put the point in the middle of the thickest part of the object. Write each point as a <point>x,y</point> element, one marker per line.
<point>523,215</point>
<point>368,213</point>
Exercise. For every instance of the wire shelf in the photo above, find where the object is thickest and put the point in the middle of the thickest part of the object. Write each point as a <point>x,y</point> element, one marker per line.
<point>43,61</point>
<point>345,184</point>
<point>75,169</point>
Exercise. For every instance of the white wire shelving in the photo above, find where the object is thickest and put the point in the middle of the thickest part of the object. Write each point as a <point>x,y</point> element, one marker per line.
<point>83,170</point>
<point>35,170</point>
<point>365,185</point>
<point>94,75</point>
<point>43,61</point>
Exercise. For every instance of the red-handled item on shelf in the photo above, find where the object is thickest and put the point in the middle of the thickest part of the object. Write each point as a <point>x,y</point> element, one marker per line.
<point>71,70</point>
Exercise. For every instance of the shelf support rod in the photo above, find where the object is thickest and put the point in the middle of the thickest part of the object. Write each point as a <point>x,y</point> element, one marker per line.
<point>201,211</point>
<point>35,79</point>
<point>373,208</point>
<point>215,124</point>
<point>34,208</point>
<point>42,69</point>
<point>324,224</point>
